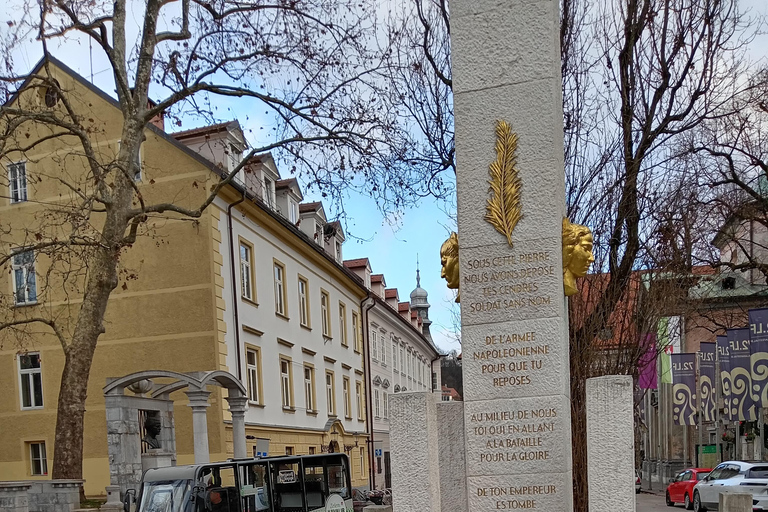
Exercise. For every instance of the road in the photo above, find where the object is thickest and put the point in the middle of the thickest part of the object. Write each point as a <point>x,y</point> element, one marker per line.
<point>654,503</point>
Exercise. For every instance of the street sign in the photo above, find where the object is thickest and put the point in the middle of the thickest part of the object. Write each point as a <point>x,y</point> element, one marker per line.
<point>377,453</point>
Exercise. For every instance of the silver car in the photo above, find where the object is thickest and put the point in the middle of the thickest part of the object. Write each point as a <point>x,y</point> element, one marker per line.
<point>733,476</point>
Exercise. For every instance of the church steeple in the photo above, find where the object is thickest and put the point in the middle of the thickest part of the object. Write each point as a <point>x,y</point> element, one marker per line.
<point>420,303</point>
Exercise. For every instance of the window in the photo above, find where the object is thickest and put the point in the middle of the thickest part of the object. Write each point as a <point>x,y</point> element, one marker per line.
<point>309,388</point>
<point>338,251</point>
<point>383,349</point>
<point>330,392</point>
<point>281,307</point>
<point>434,380</point>
<point>359,399</point>
<point>324,311</point>
<point>378,465</point>
<point>374,344</point>
<point>347,398</point>
<point>286,386</point>
<point>24,279</point>
<point>386,404</point>
<point>17,182</point>
<point>343,323</point>
<point>362,461</point>
<point>289,450</point>
<point>319,234</point>
<point>312,450</point>
<point>246,271</point>
<point>268,192</point>
<point>402,360</point>
<point>235,156</point>
<point>253,365</point>
<point>293,212</point>
<point>394,355</point>
<point>356,332</point>
<point>31,379</point>
<point>303,302</point>
<point>376,404</point>
<point>37,458</point>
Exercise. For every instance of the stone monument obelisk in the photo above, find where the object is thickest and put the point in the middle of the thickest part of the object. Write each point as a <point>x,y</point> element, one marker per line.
<point>511,204</point>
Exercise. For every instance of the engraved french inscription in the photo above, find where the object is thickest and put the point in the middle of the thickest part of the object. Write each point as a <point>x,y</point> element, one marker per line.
<point>516,436</point>
<point>526,492</point>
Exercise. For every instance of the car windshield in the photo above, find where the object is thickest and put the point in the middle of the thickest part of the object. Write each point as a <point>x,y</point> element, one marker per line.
<point>701,475</point>
<point>168,496</point>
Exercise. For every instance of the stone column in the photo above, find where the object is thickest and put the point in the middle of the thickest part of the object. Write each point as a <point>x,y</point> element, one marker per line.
<point>610,444</point>
<point>514,325</point>
<point>237,407</point>
<point>413,438</point>
<point>453,460</point>
<point>198,401</point>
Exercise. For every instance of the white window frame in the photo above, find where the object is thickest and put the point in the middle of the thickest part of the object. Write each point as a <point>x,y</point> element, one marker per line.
<point>338,251</point>
<point>41,458</point>
<point>28,374</point>
<point>345,389</point>
<point>268,184</point>
<point>356,331</point>
<point>293,211</point>
<point>383,350</point>
<point>359,399</point>
<point>394,354</point>
<point>330,392</point>
<point>285,383</point>
<point>343,324</point>
<point>246,268</point>
<point>303,301</point>
<point>17,183</point>
<point>254,375</point>
<point>28,275</point>
<point>325,298</point>
<point>403,363</point>
<point>309,388</point>
<point>278,273</point>
<point>376,404</point>
<point>374,344</point>
<point>386,405</point>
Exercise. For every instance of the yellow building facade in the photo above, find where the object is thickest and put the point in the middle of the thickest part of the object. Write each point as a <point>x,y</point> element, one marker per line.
<point>170,310</point>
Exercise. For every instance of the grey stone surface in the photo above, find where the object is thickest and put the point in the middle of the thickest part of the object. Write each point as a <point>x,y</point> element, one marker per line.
<point>378,508</point>
<point>506,66</point>
<point>40,496</point>
<point>735,502</point>
<point>515,359</point>
<point>14,496</point>
<point>415,457</point>
<point>453,463</point>
<point>610,444</point>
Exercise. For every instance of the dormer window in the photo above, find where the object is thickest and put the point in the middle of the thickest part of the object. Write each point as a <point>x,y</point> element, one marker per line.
<point>235,157</point>
<point>293,211</point>
<point>319,234</point>
<point>338,251</point>
<point>269,197</point>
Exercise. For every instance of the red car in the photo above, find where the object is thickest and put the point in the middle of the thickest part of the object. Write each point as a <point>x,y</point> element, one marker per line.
<point>680,488</point>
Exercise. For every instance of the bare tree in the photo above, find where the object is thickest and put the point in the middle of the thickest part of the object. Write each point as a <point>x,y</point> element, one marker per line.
<point>307,64</point>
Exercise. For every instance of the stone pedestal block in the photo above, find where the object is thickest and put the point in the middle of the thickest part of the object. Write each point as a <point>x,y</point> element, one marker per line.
<point>156,459</point>
<point>378,508</point>
<point>741,502</point>
<point>413,435</point>
<point>610,444</point>
<point>113,503</point>
<point>13,496</point>
<point>453,459</point>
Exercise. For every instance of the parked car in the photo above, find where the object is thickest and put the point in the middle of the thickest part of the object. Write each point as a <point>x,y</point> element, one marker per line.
<point>637,482</point>
<point>680,488</point>
<point>733,476</point>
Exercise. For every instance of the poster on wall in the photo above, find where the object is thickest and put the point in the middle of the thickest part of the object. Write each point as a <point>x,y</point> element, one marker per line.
<point>684,389</point>
<point>707,383</point>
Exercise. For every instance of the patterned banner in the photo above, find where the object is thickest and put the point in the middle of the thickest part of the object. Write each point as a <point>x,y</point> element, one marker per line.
<point>742,405</point>
<point>758,348</point>
<point>684,389</point>
<point>647,363</point>
<point>707,402</point>
<point>724,357</point>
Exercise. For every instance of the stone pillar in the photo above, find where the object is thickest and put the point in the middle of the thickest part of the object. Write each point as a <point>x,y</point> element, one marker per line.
<point>237,407</point>
<point>156,459</point>
<point>610,444</point>
<point>733,502</point>
<point>13,496</point>
<point>113,503</point>
<point>413,438</point>
<point>123,442</point>
<point>514,324</point>
<point>198,401</point>
<point>453,460</point>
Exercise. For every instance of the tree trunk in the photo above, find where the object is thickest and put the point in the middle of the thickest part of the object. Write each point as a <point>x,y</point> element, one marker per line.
<point>102,279</point>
